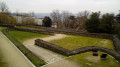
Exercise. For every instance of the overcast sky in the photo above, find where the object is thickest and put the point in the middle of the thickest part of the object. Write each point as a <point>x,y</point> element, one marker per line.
<point>74,6</point>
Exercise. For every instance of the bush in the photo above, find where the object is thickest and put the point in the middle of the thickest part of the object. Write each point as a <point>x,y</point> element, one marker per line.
<point>92,24</point>
<point>47,21</point>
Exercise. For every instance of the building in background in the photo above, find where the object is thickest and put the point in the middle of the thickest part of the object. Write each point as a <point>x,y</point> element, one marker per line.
<point>20,19</point>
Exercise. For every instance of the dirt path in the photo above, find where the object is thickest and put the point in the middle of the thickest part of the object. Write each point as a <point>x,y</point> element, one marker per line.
<point>46,55</point>
<point>50,38</point>
<point>55,37</point>
<point>12,55</point>
<point>63,63</point>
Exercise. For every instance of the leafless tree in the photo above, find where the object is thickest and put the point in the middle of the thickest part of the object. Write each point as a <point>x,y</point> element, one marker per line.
<point>82,17</point>
<point>84,14</point>
<point>65,18</point>
<point>3,7</point>
<point>56,17</point>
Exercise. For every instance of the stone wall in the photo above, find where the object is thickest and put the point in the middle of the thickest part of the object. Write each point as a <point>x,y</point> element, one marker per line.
<point>52,47</point>
<point>67,52</point>
<point>6,25</point>
<point>111,52</point>
<point>55,48</point>
<point>74,32</point>
<point>116,43</point>
<point>34,31</point>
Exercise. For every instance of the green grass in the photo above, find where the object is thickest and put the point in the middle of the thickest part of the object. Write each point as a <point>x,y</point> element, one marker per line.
<point>22,36</point>
<point>25,27</point>
<point>73,42</point>
<point>1,28</point>
<point>87,60</point>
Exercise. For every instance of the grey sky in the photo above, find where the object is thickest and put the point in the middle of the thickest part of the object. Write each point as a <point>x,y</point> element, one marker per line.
<point>74,6</point>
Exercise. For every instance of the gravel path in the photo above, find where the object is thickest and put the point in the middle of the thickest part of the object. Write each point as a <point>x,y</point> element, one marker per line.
<point>53,59</point>
<point>45,54</point>
<point>11,55</point>
<point>63,63</point>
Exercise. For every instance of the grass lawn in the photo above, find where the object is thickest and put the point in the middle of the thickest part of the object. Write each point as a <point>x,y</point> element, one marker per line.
<point>1,28</point>
<point>73,42</point>
<point>25,27</point>
<point>22,36</point>
<point>87,60</point>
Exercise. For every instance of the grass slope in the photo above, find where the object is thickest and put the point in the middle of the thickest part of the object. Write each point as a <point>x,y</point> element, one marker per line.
<point>73,42</point>
<point>87,60</point>
<point>22,36</point>
<point>1,28</point>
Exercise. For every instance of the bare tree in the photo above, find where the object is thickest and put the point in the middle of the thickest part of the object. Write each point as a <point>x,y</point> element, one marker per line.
<point>84,14</point>
<point>82,17</point>
<point>56,17</point>
<point>65,18</point>
<point>3,7</point>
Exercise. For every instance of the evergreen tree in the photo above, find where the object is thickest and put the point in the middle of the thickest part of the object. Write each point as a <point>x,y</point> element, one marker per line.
<point>47,22</point>
<point>106,23</point>
<point>93,22</point>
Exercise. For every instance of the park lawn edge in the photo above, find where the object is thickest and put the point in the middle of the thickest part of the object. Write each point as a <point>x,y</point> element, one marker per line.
<point>21,38</point>
<point>32,28</point>
<point>83,60</point>
<point>85,41</point>
<point>35,60</point>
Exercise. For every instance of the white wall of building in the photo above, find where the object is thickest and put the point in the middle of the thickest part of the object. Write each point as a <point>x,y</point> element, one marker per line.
<point>37,20</point>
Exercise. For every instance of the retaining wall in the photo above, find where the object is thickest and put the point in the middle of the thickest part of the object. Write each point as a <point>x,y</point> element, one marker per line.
<point>52,47</point>
<point>116,43</point>
<point>6,25</point>
<point>34,31</point>
<point>74,32</point>
<point>64,51</point>
<point>51,31</point>
<point>111,52</point>
<point>67,52</point>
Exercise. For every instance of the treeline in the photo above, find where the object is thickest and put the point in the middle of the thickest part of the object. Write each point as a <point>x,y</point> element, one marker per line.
<point>95,24</point>
<point>15,18</point>
<point>85,21</point>
<point>65,19</point>
<point>25,18</point>
<point>5,17</point>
